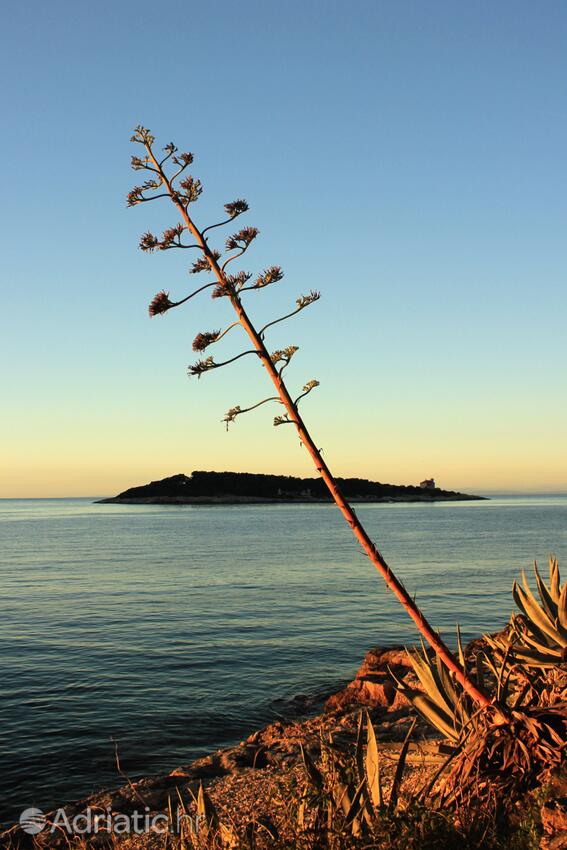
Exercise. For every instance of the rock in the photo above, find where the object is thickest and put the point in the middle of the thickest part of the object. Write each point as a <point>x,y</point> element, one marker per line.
<point>206,767</point>
<point>374,684</point>
<point>242,757</point>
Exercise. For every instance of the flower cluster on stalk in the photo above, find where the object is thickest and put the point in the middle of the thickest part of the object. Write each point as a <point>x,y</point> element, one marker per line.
<point>160,304</point>
<point>204,339</point>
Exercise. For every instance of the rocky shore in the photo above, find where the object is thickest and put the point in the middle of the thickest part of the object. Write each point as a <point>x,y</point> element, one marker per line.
<point>245,779</point>
<point>253,779</point>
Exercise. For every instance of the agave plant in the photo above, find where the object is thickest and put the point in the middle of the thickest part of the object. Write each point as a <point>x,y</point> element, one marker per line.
<point>205,829</point>
<point>344,792</point>
<point>515,755</point>
<point>538,636</point>
<point>443,702</point>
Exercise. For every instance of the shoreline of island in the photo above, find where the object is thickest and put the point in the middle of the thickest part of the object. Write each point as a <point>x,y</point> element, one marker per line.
<point>255,500</point>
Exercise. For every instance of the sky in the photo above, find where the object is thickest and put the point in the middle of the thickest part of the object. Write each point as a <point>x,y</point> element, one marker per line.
<point>407,159</point>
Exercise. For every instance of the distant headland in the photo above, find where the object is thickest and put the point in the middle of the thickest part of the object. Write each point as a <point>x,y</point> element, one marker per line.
<point>244,487</point>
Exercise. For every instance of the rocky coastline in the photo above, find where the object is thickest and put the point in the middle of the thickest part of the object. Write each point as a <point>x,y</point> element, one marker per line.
<point>242,780</point>
<point>248,782</point>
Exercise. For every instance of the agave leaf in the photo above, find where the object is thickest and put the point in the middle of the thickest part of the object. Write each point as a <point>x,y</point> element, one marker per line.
<point>522,624</point>
<point>434,689</point>
<point>520,696</point>
<point>547,648</point>
<point>502,672</point>
<point>536,659</point>
<point>534,612</point>
<point>311,770</point>
<point>201,807</point>
<point>356,827</point>
<point>447,681</point>
<point>549,606</point>
<point>367,808</point>
<point>552,620</point>
<point>562,608</point>
<point>480,677</point>
<point>497,644</point>
<point>431,711</point>
<point>458,703</point>
<point>341,794</point>
<point>205,808</point>
<point>373,766</point>
<point>554,579</point>
<point>393,802</point>
<point>505,683</point>
<point>453,701</point>
<point>351,814</point>
<point>359,749</point>
<point>460,647</point>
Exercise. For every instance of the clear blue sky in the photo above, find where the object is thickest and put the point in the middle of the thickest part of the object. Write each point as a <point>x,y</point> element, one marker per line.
<point>408,159</point>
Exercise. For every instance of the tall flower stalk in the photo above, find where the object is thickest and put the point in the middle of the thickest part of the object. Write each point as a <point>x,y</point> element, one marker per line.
<point>167,180</point>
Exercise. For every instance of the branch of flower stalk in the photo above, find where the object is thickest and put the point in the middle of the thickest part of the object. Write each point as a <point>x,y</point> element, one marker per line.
<point>161,302</point>
<point>142,164</point>
<point>271,275</point>
<point>207,365</point>
<point>220,224</point>
<point>284,354</point>
<point>177,173</point>
<point>141,200</point>
<point>301,306</point>
<point>241,240</point>
<point>231,414</point>
<point>179,245</point>
<point>233,209</point>
<point>203,340</point>
<point>171,238</point>
<point>310,385</point>
<point>230,259</point>
<point>184,160</point>
<point>283,420</point>
<point>171,150</point>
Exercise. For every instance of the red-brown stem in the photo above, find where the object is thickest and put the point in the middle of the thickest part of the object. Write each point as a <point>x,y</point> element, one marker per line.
<point>397,588</point>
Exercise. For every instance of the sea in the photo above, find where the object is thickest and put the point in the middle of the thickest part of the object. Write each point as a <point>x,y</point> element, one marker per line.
<point>165,632</point>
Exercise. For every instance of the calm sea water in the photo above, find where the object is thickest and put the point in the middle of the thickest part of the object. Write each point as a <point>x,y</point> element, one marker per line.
<point>176,630</point>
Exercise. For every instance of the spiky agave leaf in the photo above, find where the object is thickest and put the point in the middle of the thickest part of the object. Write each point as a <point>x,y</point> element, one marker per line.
<point>400,766</point>
<point>442,702</point>
<point>372,766</point>
<point>538,636</point>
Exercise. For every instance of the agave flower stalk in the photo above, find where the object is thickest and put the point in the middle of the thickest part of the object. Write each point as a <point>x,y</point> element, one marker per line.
<point>183,194</point>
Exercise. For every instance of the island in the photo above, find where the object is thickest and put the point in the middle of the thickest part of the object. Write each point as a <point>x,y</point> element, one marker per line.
<point>245,487</point>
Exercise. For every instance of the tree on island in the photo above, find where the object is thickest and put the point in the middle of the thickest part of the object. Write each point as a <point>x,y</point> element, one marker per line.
<point>168,179</point>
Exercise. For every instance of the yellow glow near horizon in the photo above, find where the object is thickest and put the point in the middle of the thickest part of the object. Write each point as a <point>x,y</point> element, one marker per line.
<point>107,463</point>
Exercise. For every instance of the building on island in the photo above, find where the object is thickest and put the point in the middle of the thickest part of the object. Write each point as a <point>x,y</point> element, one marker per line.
<point>427,484</point>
